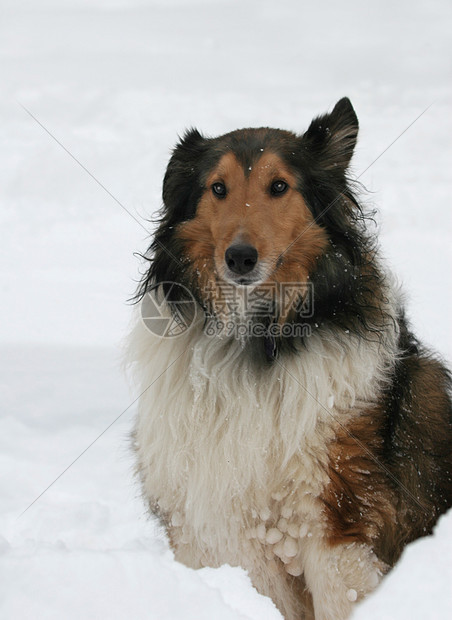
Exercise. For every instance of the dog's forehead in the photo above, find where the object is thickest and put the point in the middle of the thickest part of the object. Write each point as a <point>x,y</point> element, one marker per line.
<point>251,151</point>
<point>265,165</point>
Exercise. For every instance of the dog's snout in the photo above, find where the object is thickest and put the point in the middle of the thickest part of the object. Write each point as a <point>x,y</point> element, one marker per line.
<point>241,258</point>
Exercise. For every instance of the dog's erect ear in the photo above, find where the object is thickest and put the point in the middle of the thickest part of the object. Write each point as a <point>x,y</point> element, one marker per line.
<point>331,138</point>
<point>181,183</point>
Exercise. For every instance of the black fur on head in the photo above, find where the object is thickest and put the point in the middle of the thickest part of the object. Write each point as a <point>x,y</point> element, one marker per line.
<point>347,282</point>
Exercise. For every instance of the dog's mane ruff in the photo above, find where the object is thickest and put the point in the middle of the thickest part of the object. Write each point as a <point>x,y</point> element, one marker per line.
<point>234,429</point>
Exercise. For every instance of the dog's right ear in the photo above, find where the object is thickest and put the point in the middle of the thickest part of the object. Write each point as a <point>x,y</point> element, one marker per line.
<point>331,138</point>
<point>181,186</point>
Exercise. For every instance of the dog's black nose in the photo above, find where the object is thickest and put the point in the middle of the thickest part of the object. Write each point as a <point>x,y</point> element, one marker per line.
<point>241,258</point>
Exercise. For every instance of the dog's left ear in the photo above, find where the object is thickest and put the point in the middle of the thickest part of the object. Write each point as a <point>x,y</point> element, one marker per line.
<point>331,138</point>
<point>180,186</point>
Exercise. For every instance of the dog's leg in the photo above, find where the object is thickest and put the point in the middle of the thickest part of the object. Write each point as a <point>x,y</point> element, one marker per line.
<point>290,594</point>
<point>267,572</point>
<point>338,576</point>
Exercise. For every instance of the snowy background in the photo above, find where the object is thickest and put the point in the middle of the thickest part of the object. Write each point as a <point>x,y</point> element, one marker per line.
<point>115,82</point>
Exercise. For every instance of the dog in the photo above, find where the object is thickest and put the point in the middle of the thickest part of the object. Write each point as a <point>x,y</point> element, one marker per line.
<point>289,422</point>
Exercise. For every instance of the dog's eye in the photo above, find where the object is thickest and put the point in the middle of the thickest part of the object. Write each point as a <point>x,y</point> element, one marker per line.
<point>278,188</point>
<point>219,189</point>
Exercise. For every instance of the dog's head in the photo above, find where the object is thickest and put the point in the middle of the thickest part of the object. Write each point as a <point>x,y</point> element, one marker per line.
<point>259,207</point>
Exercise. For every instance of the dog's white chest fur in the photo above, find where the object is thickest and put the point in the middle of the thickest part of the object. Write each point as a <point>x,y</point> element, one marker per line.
<point>225,446</point>
<point>234,455</point>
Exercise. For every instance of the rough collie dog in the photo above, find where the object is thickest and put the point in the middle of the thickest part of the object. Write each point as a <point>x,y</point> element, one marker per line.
<point>288,422</point>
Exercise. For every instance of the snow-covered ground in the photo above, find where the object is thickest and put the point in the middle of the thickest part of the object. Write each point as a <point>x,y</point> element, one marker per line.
<point>115,81</point>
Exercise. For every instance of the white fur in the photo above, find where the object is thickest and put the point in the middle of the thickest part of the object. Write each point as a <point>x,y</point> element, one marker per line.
<point>232,453</point>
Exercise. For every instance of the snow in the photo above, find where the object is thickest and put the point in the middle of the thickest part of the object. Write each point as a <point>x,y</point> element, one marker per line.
<point>115,82</point>
<point>420,585</point>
